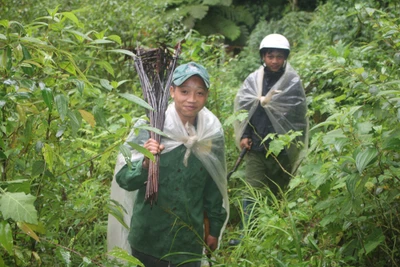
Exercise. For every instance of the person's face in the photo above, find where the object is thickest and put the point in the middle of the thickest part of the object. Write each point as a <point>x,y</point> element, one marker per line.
<point>190,97</point>
<point>274,60</point>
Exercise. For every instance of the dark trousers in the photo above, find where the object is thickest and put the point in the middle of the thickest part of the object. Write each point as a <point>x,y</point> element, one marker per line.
<point>150,261</point>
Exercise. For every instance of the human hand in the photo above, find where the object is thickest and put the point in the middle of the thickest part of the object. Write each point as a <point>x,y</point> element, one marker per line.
<point>154,147</point>
<point>266,99</point>
<point>245,143</point>
<point>212,242</point>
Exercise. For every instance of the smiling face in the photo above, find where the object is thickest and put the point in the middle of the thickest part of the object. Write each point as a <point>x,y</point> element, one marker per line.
<point>190,97</point>
<point>274,60</point>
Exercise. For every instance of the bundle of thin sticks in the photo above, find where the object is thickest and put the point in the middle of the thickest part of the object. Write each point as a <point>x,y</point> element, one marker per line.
<point>155,68</point>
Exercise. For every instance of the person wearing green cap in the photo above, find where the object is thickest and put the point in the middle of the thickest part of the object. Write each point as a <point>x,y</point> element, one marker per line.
<point>192,179</point>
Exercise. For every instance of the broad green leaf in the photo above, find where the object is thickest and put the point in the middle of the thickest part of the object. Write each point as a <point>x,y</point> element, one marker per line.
<point>107,66</point>
<point>99,116</point>
<point>3,37</point>
<point>365,157</point>
<point>115,38</point>
<point>38,167</point>
<point>6,239</point>
<point>19,185</point>
<point>47,96</point>
<point>101,41</point>
<point>106,84</point>
<point>151,129</point>
<point>123,255</point>
<point>75,120</point>
<point>141,150</point>
<point>32,40</point>
<point>122,51</point>
<point>19,207</point>
<point>48,154</point>
<point>28,230</point>
<point>80,85</point>
<point>88,117</point>
<point>61,105</point>
<point>68,66</point>
<point>373,240</point>
<point>275,147</point>
<point>136,100</point>
<point>73,18</point>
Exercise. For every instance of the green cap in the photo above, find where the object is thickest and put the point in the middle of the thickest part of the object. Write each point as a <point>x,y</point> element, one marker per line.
<point>185,71</point>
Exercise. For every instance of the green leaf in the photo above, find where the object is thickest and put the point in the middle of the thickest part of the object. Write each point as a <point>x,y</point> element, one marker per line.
<point>68,66</point>
<point>151,129</point>
<point>88,117</point>
<point>75,121</point>
<point>99,116</point>
<point>6,239</point>
<point>48,154</point>
<point>47,96</point>
<point>32,40</point>
<point>373,240</point>
<point>123,255</point>
<point>107,66</point>
<point>62,105</point>
<point>117,210</point>
<point>101,41</point>
<point>122,51</point>
<point>71,16</point>
<point>365,157</point>
<point>115,38</point>
<point>106,84</point>
<point>66,256</point>
<point>275,147</point>
<point>141,150</point>
<point>38,168</point>
<point>136,100</point>
<point>18,207</point>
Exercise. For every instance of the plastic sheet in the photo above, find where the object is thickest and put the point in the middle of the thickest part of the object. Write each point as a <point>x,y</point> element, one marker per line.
<point>286,110</point>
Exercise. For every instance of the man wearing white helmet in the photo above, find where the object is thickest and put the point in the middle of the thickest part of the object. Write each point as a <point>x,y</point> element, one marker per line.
<point>275,101</point>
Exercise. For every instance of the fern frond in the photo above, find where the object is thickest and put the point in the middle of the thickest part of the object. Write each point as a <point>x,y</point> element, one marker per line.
<point>88,142</point>
<point>91,153</point>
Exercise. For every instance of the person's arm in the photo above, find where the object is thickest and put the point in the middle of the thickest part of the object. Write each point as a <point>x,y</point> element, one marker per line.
<point>134,178</point>
<point>215,212</point>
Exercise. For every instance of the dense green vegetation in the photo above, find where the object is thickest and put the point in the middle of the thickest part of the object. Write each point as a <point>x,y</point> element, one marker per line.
<point>69,95</point>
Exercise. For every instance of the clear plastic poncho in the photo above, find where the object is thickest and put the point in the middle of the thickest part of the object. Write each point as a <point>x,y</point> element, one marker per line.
<point>206,142</point>
<point>286,109</point>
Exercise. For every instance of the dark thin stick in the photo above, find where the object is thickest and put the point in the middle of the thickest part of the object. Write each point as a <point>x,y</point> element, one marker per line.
<point>155,68</point>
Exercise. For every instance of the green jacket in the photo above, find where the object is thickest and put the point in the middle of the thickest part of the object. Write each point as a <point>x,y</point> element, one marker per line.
<point>175,222</point>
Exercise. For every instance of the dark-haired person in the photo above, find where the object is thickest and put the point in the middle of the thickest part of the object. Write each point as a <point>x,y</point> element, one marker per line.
<point>192,179</point>
<point>275,101</point>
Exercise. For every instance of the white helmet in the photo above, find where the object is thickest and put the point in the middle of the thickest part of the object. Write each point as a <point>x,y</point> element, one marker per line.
<point>275,40</point>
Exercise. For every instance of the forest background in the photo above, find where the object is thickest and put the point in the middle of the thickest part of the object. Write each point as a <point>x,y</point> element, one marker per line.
<point>69,94</point>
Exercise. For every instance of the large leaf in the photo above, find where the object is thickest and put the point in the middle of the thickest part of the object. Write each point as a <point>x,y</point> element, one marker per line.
<point>47,96</point>
<point>62,105</point>
<point>19,207</point>
<point>88,117</point>
<point>136,100</point>
<point>373,240</point>
<point>141,150</point>
<point>6,239</point>
<point>48,155</point>
<point>28,230</point>
<point>121,254</point>
<point>365,157</point>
